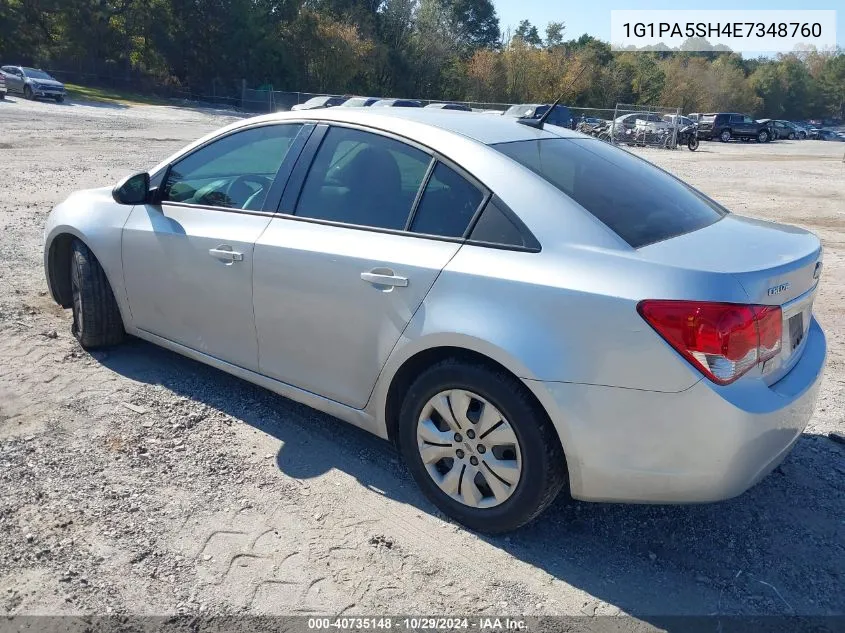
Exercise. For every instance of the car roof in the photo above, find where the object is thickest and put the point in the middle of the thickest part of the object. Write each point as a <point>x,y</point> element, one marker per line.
<point>483,129</point>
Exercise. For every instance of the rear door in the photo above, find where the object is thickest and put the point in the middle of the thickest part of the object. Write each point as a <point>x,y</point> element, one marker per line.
<point>14,82</point>
<point>341,271</point>
<point>749,126</point>
<point>188,261</point>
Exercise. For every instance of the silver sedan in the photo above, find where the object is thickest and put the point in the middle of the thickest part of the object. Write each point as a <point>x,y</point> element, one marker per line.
<point>521,310</point>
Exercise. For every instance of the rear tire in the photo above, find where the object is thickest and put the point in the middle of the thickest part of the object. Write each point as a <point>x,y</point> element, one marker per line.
<point>725,136</point>
<point>27,93</point>
<point>96,317</point>
<point>59,98</point>
<point>537,457</point>
<point>692,144</point>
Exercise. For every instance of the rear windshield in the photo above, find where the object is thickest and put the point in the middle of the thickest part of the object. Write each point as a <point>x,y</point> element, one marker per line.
<point>521,110</point>
<point>639,202</point>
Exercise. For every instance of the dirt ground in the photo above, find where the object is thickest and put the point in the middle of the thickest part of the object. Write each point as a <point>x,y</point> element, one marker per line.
<point>136,481</point>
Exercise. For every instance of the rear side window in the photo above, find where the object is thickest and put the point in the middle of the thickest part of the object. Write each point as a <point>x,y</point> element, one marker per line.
<point>639,202</point>
<point>363,179</point>
<point>496,226</point>
<point>448,204</point>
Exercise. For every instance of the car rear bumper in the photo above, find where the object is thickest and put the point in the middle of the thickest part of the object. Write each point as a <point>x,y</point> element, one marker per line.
<point>706,443</point>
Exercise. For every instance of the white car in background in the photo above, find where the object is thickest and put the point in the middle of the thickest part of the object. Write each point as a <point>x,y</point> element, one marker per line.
<point>640,121</point>
<point>681,120</point>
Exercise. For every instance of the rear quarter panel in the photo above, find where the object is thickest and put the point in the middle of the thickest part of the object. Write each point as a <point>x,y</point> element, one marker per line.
<point>567,316</point>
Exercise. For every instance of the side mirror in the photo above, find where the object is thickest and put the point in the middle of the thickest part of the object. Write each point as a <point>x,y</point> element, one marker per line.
<point>134,189</point>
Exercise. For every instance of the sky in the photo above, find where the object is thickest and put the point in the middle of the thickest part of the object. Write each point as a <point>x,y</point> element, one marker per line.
<point>593,16</point>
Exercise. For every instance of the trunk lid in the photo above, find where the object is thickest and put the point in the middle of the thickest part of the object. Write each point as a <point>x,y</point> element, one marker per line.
<point>776,264</point>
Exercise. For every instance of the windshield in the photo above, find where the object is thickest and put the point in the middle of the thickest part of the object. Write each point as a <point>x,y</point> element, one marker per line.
<point>32,73</point>
<point>639,202</point>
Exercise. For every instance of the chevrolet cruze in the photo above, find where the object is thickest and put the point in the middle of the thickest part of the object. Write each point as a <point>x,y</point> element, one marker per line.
<point>521,308</point>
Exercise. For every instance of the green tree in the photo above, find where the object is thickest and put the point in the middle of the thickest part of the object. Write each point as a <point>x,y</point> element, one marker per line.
<point>528,33</point>
<point>554,34</point>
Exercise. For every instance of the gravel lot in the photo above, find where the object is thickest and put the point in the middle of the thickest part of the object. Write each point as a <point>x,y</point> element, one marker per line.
<point>136,481</point>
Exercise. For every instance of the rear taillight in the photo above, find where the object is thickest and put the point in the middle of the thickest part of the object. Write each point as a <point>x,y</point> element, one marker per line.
<point>722,340</point>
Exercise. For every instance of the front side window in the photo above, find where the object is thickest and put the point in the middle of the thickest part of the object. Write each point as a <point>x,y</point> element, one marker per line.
<point>234,172</point>
<point>639,202</point>
<point>363,179</point>
<point>448,204</point>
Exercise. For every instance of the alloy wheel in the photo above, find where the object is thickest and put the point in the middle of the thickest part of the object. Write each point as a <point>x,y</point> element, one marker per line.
<point>469,449</point>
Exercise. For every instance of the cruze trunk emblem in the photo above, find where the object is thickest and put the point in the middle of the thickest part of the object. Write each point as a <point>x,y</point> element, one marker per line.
<point>776,290</point>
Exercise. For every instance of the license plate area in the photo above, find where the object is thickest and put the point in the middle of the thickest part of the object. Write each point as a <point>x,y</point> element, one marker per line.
<point>796,331</point>
<point>797,316</point>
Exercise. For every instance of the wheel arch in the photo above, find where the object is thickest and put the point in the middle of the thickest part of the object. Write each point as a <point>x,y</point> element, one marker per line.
<point>412,363</point>
<point>57,267</point>
<point>389,402</point>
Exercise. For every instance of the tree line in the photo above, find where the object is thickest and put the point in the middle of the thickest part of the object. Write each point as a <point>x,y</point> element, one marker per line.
<point>429,49</point>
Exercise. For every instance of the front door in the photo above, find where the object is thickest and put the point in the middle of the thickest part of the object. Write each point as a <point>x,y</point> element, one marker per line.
<point>338,280</point>
<point>188,262</point>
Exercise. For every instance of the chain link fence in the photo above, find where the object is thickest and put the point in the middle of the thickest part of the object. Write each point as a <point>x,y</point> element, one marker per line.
<point>625,124</point>
<point>645,125</point>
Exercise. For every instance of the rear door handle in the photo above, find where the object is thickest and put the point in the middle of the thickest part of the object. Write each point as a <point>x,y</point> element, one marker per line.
<point>226,254</point>
<point>382,279</point>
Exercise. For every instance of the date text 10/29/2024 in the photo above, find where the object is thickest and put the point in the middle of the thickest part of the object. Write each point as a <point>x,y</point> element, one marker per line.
<point>485,623</point>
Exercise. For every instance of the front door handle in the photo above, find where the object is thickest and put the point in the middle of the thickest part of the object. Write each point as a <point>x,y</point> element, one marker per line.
<point>383,279</point>
<point>226,254</point>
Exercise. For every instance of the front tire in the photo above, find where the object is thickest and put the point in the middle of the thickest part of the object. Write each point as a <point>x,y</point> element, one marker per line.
<point>59,98</point>
<point>692,144</point>
<point>96,317</point>
<point>763,137</point>
<point>791,136</point>
<point>725,136</point>
<point>479,446</point>
<point>27,93</point>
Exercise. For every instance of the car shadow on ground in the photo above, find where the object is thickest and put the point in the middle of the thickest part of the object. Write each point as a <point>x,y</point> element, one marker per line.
<point>104,105</point>
<point>776,550</point>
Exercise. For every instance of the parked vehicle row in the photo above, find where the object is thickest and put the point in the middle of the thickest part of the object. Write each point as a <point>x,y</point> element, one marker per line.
<point>32,83</point>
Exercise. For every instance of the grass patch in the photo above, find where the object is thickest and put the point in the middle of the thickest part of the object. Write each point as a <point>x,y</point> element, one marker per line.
<point>108,95</point>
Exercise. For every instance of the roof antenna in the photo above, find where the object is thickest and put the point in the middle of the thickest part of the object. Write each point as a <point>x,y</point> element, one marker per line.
<point>538,123</point>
